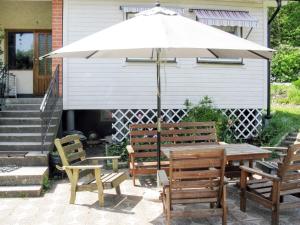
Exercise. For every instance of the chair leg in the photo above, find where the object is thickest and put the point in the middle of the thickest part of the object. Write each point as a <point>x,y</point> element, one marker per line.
<point>243,182</point>
<point>168,208</point>
<point>224,206</point>
<point>118,190</point>
<point>133,178</point>
<point>275,215</point>
<point>74,180</point>
<point>100,187</point>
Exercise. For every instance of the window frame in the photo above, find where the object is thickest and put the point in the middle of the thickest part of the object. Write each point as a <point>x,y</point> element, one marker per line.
<point>145,60</point>
<point>226,61</point>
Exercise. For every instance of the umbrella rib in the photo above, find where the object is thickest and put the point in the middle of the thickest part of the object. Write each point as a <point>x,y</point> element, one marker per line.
<point>255,53</point>
<point>89,56</point>
<point>212,52</point>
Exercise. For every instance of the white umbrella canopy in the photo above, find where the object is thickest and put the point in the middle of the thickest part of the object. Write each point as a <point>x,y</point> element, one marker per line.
<point>159,32</point>
<point>160,28</point>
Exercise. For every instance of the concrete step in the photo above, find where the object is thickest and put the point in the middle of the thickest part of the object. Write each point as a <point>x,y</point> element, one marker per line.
<point>20,191</point>
<point>30,175</point>
<point>20,113</point>
<point>24,100</point>
<point>23,146</point>
<point>288,142</point>
<point>22,120</point>
<point>22,107</point>
<point>21,158</point>
<point>23,128</point>
<point>23,137</point>
<point>290,138</point>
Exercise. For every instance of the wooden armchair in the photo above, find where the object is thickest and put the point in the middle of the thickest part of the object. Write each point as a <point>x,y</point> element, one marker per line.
<point>78,166</point>
<point>195,177</point>
<point>271,189</point>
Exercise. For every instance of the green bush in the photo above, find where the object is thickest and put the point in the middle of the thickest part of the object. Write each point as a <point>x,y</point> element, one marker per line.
<point>285,66</point>
<point>297,83</point>
<point>286,94</point>
<point>118,149</point>
<point>204,111</point>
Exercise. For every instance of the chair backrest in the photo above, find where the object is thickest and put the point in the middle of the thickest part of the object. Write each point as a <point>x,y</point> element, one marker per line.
<point>143,137</point>
<point>70,149</point>
<point>196,175</point>
<point>289,169</point>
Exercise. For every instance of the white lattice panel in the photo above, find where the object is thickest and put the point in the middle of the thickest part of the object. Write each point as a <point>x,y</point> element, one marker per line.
<point>247,122</point>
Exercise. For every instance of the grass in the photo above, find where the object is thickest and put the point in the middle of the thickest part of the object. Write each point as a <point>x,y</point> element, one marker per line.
<point>285,119</point>
<point>285,94</point>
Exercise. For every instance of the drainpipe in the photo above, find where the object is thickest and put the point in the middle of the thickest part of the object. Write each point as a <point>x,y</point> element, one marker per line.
<point>268,116</point>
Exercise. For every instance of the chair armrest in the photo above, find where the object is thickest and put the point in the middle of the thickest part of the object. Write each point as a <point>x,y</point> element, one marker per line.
<point>163,179</point>
<point>105,157</point>
<point>259,172</point>
<point>222,143</point>
<point>85,167</point>
<point>281,149</point>
<point>129,149</point>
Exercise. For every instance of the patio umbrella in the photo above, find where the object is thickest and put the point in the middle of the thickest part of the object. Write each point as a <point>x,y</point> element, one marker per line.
<point>159,33</point>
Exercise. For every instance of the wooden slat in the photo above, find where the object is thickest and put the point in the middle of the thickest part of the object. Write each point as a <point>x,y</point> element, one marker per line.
<point>144,154</point>
<point>290,185</point>
<point>259,199</point>
<point>261,185</point>
<point>69,138</point>
<point>197,163</point>
<point>204,153</point>
<point>75,156</point>
<point>197,200</point>
<point>72,147</point>
<point>293,176</point>
<point>196,174</point>
<point>134,133</point>
<point>151,164</point>
<point>194,193</point>
<point>203,213</point>
<point>169,125</point>
<point>294,167</point>
<point>196,184</point>
<point>296,157</point>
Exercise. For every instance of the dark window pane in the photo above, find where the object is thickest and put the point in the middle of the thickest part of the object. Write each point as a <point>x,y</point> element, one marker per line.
<point>20,50</point>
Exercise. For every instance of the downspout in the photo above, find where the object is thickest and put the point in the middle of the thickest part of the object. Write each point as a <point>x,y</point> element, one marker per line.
<point>268,116</point>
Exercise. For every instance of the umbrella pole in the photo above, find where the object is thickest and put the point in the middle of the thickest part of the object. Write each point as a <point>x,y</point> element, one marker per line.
<point>158,51</point>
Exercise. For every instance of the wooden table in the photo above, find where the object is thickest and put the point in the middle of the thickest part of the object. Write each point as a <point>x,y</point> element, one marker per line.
<point>234,152</point>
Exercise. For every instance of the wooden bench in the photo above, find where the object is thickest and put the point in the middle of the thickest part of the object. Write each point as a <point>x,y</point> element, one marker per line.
<point>90,171</point>
<point>143,143</point>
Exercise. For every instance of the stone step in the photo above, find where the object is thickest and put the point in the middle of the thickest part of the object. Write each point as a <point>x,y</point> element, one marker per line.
<point>30,175</point>
<point>21,158</point>
<point>20,191</point>
<point>23,146</point>
<point>22,107</point>
<point>287,142</point>
<point>290,138</point>
<point>23,128</point>
<point>24,100</point>
<point>20,113</point>
<point>22,120</point>
<point>23,137</point>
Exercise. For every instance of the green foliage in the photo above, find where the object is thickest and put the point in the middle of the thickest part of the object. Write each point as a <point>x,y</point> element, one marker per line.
<point>284,119</point>
<point>46,184</point>
<point>297,83</point>
<point>204,111</point>
<point>286,94</point>
<point>285,28</point>
<point>285,66</point>
<point>118,150</point>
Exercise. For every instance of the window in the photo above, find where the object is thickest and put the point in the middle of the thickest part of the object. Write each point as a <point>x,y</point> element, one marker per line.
<point>20,50</point>
<point>130,15</point>
<point>232,30</point>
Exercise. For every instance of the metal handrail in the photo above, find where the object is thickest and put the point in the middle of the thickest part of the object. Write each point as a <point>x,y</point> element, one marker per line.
<point>4,85</point>
<point>51,107</point>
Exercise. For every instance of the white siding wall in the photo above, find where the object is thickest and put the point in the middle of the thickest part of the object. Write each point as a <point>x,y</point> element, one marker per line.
<point>116,84</point>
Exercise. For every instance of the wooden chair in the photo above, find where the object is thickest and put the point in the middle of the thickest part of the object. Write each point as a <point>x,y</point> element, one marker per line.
<point>143,143</point>
<point>271,189</point>
<point>77,166</point>
<point>195,177</point>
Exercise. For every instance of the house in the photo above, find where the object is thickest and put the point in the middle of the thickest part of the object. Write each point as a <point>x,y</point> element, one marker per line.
<point>117,92</point>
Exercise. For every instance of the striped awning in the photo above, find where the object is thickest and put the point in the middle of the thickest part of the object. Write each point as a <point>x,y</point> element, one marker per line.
<point>137,9</point>
<point>226,18</point>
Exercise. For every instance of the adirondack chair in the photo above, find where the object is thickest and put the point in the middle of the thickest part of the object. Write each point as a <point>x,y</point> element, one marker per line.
<point>77,166</point>
<point>271,189</point>
<point>195,177</point>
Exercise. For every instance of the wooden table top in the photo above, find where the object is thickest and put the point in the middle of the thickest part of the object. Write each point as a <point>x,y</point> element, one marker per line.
<point>233,151</point>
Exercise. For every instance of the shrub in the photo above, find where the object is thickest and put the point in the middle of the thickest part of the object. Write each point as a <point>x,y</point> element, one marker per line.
<point>118,149</point>
<point>297,83</point>
<point>204,111</point>
<point>285,66</point>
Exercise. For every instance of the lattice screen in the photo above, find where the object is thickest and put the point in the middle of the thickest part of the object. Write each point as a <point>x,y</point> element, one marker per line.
<point>247,122</point>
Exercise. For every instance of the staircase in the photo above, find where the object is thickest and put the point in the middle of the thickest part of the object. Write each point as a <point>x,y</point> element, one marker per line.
<point>23,167</point>
<point>290,139</point>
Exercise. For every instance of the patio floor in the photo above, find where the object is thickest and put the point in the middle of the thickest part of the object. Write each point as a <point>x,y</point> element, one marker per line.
<point>133,207</point>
